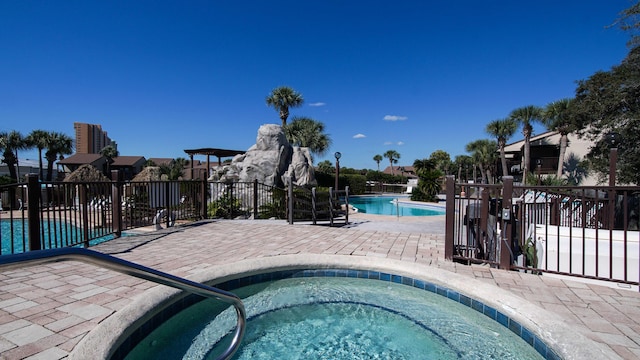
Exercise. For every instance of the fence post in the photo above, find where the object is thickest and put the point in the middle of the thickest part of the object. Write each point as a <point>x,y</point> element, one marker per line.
<point>255,199</point>
<point>82,194</point>
<point>203,198</point>
<point>313,205</point>
<point>450,210</point>
<point>167,203</point>
<point>331,195</point>
<point>116,203</point>
<point>290,200</point>
<point>505,237</point>
<point>346,202</point>
<point>33,203</point>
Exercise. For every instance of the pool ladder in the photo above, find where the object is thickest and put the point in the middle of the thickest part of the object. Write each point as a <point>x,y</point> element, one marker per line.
<point>139,271</point>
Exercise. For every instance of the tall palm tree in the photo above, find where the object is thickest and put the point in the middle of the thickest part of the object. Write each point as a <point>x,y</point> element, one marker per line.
<point>38,138</point>
<point>463,161</point>
<point>57,144</point>
<point>393,157</point>
<point>556,117</point>
<point>502,130</point>
<point>281,99</point>
<point>109,152</point>
<point>11,143</point>
<point>377,158</point>
<point>483,153</point>
<point>525,116</point>
<point>306,132</point>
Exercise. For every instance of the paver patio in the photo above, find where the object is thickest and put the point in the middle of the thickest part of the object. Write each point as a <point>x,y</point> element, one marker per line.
<point>46,310</point>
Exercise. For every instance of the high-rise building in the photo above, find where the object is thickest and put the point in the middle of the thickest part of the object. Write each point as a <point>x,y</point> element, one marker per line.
<point>90,138</point>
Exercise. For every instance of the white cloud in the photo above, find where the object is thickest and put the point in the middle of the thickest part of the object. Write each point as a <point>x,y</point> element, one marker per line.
<point>359,136</point>
<point>317,104</point>
<point>400,143</point>
<point>388,143</point>
<point>394,118</point>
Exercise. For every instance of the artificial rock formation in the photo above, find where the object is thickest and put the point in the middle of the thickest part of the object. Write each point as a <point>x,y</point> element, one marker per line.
<point>271,161</point>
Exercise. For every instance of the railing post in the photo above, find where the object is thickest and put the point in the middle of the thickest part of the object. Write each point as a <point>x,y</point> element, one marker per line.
<point>484,222</point>
<point>116,203</point>
<point>33,213</point>
<point>505,236</point>
<point>450,217</point>
<point>290,200</point>
<point>255,199</point>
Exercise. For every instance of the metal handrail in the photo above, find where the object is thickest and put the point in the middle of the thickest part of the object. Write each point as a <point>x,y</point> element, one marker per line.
<point>139,271</point>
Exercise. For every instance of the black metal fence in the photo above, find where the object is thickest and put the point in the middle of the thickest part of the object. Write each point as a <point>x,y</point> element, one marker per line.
<point>317,205</point>
<point>590,232</point>
<point>43,215</point>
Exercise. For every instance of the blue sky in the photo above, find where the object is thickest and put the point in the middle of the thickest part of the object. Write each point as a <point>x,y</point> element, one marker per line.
<point>412,76</point>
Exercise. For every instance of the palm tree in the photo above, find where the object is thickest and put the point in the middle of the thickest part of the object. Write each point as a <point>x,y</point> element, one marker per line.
<point>502,130</point>
<point>526,116</point>
<point>463,161</point>
<point>483,153</point>
<point>393,157</point>
<point>109,152</point>
<point>377,159</point>
<point>309,133</point>
<point>12,142</point>
<point>38,138</point>
<point>428,180</point>
<point>326,167</point>
<point>57,144</point>
<point>424,164</point>
<point>282,98</point>
<point>556,117</point>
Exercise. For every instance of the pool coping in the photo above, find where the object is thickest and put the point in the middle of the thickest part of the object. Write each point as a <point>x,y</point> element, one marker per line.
<point>548,327</point>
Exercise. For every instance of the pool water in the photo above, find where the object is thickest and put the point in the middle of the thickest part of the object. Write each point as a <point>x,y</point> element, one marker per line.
<point>55,234</point>
<point>336,318</point>
<point>387,205</point>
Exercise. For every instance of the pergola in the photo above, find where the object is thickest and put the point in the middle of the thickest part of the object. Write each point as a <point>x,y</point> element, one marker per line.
<point>219,153</point>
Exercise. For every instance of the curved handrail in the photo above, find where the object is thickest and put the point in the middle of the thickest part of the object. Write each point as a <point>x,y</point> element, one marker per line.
<point>139,271</point>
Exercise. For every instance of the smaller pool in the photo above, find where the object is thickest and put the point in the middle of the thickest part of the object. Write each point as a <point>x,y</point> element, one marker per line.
<point>389,205</point>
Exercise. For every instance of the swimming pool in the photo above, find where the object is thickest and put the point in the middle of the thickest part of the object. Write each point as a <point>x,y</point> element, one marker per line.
<point>345,314</point>
<point>54,234</point>
<point>393,205</point>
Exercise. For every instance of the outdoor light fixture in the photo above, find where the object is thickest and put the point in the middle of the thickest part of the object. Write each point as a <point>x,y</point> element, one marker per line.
<point>337,155</point>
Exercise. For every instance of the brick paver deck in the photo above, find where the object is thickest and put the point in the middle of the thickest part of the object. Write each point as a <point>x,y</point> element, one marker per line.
<point>46,310</point>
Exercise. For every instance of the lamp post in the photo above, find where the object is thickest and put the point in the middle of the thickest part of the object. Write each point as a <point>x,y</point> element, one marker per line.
<point>539,165</point>
<point>338,156</point>
<point>401,174</point>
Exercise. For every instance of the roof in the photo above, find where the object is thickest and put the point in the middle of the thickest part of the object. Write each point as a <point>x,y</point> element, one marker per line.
<point>407,171</point>
<point>150,173</point>
<point>127,160</point>
<point>160,161</point>
<point>86,173</point>
<point>80,159</point>
<point>550,137</point>
<point>215,152</point>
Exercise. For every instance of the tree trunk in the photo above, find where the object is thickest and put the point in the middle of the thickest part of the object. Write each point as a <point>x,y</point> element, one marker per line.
<point>503,159</point>
<point>563,150</point>
<point>527,150</point>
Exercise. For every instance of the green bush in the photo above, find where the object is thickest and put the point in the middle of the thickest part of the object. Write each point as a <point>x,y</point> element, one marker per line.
<point>357,183</point>
<point>225,207</point>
